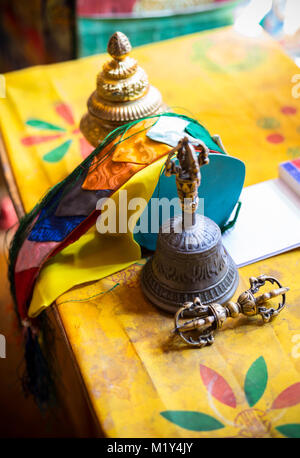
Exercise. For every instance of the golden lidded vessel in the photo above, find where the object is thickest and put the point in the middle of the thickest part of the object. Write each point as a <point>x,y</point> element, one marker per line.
<point>123,93</point>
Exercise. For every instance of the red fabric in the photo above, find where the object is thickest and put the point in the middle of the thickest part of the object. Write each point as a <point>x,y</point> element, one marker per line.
<point>24,284</point>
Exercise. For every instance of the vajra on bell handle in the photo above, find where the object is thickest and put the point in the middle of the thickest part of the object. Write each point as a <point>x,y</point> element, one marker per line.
<point>188,175</point>
<point>205,319</point>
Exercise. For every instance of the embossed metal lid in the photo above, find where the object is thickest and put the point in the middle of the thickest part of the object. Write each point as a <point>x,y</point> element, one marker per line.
<point>123,93</point>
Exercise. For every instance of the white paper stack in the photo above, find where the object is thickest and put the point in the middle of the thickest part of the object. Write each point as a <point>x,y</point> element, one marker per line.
<point>268,223</point>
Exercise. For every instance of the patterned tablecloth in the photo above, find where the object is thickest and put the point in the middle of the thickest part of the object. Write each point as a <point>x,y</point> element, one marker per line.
<point>140,381</point>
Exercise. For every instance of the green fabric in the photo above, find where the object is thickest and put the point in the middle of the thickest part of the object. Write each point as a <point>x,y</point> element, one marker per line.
<point>198,131</point>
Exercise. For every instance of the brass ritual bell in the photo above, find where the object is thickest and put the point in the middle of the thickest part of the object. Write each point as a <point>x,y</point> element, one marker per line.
<point>123,93</point>
<point>190,260</point>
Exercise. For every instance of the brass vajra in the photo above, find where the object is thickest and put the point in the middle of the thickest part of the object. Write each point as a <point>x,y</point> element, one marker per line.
<point>205,319</point>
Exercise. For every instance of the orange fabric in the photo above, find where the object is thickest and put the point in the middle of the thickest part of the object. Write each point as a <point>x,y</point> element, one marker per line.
<point>140,149</point>
<point>128,158</point>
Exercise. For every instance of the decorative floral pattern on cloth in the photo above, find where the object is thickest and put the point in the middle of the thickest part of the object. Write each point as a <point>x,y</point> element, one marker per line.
<point>219,55</point>
<point>57,154</point>
<point>274,126</point>
<point>251,422</point>
<point>246,385</point>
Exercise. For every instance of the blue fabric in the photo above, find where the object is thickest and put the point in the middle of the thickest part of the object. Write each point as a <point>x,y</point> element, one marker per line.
<point>51,228</point>
<point>221,184</point>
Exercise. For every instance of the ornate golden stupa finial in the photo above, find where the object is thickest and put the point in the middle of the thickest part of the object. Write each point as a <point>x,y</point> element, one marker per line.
<point>123,93</point>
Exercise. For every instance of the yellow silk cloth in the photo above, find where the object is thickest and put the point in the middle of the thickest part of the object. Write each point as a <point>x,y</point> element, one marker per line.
<point>247,384</point>
<point>241,89</point>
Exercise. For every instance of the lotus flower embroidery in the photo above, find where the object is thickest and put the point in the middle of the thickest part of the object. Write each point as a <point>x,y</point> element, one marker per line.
<point>250,422</point>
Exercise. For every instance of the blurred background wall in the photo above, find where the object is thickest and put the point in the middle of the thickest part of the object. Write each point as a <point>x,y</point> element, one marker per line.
<point>147,21</point>
<point>36,32</point>
<point>45,31</point>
